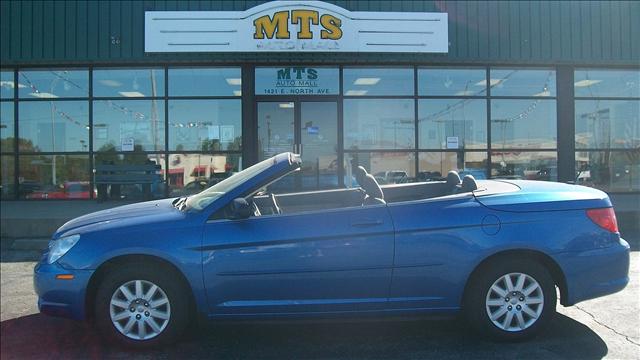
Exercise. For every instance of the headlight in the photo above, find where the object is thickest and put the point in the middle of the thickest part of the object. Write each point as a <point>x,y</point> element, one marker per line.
<point>57,248</point>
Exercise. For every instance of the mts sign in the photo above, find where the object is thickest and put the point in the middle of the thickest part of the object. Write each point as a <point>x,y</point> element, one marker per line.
<point>266,27</point>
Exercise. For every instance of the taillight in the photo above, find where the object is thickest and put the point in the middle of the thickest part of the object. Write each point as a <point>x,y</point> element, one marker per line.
<point>605,218</point>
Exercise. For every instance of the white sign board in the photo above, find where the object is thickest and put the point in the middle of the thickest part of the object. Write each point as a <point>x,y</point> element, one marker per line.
<point>452,142</point>
<point>128,144</point>
<point>297,80</point>
<point>295,26</point>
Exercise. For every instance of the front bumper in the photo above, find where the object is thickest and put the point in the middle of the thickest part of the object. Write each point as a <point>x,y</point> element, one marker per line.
<point>65,298</point>
<point>595,273</point>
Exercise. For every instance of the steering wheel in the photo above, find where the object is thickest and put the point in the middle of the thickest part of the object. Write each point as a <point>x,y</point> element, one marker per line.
<point>276,208</point>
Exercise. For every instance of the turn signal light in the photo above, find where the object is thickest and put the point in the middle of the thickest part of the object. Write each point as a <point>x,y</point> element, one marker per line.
<point>605,218</point>
<point>64,277</point>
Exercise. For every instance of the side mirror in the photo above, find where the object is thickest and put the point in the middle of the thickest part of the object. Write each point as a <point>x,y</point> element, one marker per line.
<point>240,209</point>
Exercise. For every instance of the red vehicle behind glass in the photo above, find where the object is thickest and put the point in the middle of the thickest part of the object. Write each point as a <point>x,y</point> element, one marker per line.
<point>68,190</point>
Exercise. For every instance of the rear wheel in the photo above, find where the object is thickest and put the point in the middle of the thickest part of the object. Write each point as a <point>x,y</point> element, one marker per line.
<point>141,308</point>
<point>511,299</point>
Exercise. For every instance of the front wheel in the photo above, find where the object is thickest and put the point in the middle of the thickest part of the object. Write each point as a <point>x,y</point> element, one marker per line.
<point>141,307</point>
<point>511,300</point>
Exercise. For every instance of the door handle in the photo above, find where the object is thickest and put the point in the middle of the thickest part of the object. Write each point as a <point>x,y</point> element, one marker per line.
<point>367,223</point>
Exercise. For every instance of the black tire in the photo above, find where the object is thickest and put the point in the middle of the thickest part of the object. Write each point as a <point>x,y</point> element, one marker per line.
<point>475,302</point>
<point>175,291</point>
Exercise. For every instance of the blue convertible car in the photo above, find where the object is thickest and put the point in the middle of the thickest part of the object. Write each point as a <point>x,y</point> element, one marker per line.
<point>493,250</point>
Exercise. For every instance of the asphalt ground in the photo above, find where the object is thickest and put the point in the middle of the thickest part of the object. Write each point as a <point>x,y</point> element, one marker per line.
<point>607,327</point>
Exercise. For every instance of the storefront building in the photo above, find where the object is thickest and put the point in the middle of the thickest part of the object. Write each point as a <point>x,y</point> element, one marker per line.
<point>408,89</point>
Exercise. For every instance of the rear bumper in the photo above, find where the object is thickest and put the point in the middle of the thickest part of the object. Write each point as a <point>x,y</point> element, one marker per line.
<point>595,273</point>
<point>65,298</point>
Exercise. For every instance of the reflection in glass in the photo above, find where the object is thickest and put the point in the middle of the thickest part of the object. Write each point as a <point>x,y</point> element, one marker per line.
<point>607,83</point>
<point>463,119</point>
<point>275,128</point>
<point>603,124</point>
<point>6,85</point>
<point>128,83</point>
<point>452,82</point>
<point>617,171</point>
<point>205,125</point>
<point>522,82</point>
<point>523,124</point>
<point>386,167</point>
<point>6,126</point>
<point>319,123</point>
<point>205,82</point>
<point>7,186</point>
<point>192,173</point>
<point>53,83</point>
<point>128,125</point>
<point>137,192</point>
<point>434,166</point>
<point>528,165</point>
<point>54,177</point>
<point>378,81</point>
<point>54,126</point>
<point>379,124</point>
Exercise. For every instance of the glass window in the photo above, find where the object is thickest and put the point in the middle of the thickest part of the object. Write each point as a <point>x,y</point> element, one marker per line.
<point>297,80</point>
<point>54,177</point>
<point>434,166</point>
<point>603,124</point>
<point>7,85</point>
<point>452,82</point>
<point>128,125</point>
<point>607,83</point>
<point>6,126</point>
<point>7,186</point>
<point>53,83</point>
<point>205,125</point>
<point>378,81</point>
<point>386,167</point>
<point>205,82</point>
<point>522,82</point>
<point>192,173</point>
<point>47,126</point>
<point>523,124</point>
<point>137,192</point>
<point>529,165</point>
<point>128,83</point>
<point>379,124</point>
<point>609,170</point>
<point>461,121</point>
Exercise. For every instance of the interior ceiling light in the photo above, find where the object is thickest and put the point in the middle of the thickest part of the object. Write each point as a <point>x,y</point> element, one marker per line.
<point>586,83</point>
<point>234,81</point>
<point>44,95</point>
<point>366,81</point>
<point>131,93</point>
<point>356,92</point>
<point>110,83</point>
<point>493,82</point>
<point>465,93</point>
<point>9,84</point>
<point>544,93</point>
<point>237,93</point>
<point>288,105</point>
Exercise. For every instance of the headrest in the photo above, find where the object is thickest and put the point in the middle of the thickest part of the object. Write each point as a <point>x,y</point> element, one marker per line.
<point>453,178</point>
<point>468,184</point>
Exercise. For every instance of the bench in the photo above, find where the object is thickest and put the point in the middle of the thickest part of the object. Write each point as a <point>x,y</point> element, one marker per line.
<point>115,175</point>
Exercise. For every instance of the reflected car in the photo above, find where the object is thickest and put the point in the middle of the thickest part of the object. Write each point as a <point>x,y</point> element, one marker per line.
<point>493,251</point>
<point>66,190</point>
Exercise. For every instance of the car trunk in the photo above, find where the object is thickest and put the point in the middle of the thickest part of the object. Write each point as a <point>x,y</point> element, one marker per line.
<point>525,196</point>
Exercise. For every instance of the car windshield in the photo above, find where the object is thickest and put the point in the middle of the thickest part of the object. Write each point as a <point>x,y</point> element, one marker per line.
<point>202,200</point>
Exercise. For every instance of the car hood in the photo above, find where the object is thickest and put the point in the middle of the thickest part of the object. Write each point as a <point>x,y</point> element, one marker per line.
<point>126,215</point>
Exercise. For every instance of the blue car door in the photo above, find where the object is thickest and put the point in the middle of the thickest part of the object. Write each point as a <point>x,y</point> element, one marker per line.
<point>315,261</point>
<point>437,241</point>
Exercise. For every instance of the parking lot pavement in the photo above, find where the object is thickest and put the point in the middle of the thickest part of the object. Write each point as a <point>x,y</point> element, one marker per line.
<point>600,328</point>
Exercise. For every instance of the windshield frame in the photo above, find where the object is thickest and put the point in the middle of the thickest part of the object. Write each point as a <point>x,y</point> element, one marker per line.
<point>262,172</point>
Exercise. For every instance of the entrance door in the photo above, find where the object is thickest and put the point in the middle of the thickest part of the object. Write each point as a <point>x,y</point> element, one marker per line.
<point>308,128</point>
